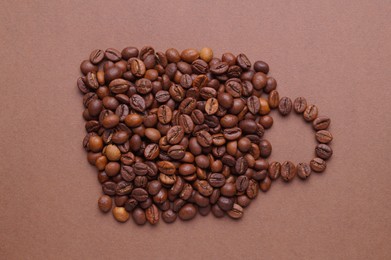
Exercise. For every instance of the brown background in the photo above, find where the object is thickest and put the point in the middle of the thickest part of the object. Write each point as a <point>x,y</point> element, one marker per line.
<point>337,56</point>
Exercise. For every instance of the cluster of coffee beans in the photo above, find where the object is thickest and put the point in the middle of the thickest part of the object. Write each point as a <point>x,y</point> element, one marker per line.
<point>175,133</point>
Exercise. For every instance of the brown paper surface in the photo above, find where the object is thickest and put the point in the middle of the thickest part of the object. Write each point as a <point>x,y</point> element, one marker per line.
<point>336,55</point>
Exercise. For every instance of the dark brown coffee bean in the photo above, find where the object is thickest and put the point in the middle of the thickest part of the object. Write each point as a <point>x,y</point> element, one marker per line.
<point>219,68</point>
<point>162,96</point>
<point>323,151</point>
<point>82,85</point>
<point>105,203</point>
<point>321,123</point>
<point>129,52</point>
<point>139,216</point>
<point>86,66</point>
<point>123,188</point>
<point>242,183</point>
<point>265,184</point>
<point>164,114</point>
<point>139,194</point>
<point>113,54</point>
<point>324,136</point>
<point>190,55</point>
<point>146,51</point>
<point>137,67</point>
<point>234,88</point>
<point>151,151</point>
<point>97,56</point>
<point>241,165</point>
<point>261,66</point>
<point>127,173</point>
<point>169,216</point>
<point>187,212</point>
<point>92,81</point>
<point>166,167</point>
<point>137,103</point>
<point>176,152</point>
<point>225,203</point>
<point>265,148</point>
<point>236,212</point>
<point>243,61</point>
<point>211,106</point>
<point>204,138</point>
<point>233,133</point>
<point>228,190</point>
<point>199,66</point>
<point>152,214</point>
<point>203,187</point>
<point>310,113</point>
<point>300,104</point>
<point>285,106</point>
<point>216,180</point>
<point>252,189</point>
<point>109,187</point>
<point>274,170</point>
<point>186,169</point>
<point>318,165</point>
<point>303,170</point>
<point>175,134</point>
<point>187,105</point>
<point>253,104</point>
<point>288,171</point>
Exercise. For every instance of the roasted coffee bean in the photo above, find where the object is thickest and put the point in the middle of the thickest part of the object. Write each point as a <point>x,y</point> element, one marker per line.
<point>310,113</point>
<point>162,96</point>
<point>211,106</point>
<point>105,203</point>
<point>318,165</point>
<point>204,138</point>
<point>303,170</point>
<point>127,173</point>
<point>146,51</point>
<point>274,99</point>
<point>252,189</point>
<point>113,54</point>
<point>139,194</point>
<point>190,55</point>
<point>137,67</point>
<point>86,66</point>
<point>236,212</point>
<point>166,167</point>
<point>288,171</point>
<point>216,180</point>
<point>323,151</point>
<point>234,88</point>
<point>243,61</point>
<point>241,165</point>
<point>265,148</point>
<point>187,212</point>
<point>187,105</point>
<point>219,68</point>
<point>274,170</point>
<point>242,183</point>
<point>109,188</point>
<point>123,188</point>
<point>232,133</point>
<point>324,136</point>
<point>321,123</point>
<point>265,184</point>
<point>300,104</point>
<point>259,80</point>
<point>225,203</point>
<point>253,104</point>
<point>152,214</point>
<point>285,106</point>
<point>203,187</point>
<point>176,152</point>
<point>92,81</point>
<point>137,103</point>
<point>120,214</point>
<point>164,114</point>
<point>175,134</point>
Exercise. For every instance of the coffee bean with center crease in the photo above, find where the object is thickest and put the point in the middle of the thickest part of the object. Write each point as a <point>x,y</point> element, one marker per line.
<point>253,104</point>
<point>113,54</point>
<point>175,134</point>
<point>225,203</point>
<point>274,170</point>
<point>234,88</point>
<point>151,151</point>
<point>241,165</point>
<point>216,180</point>
<point>274,99</point>
<point>236,212</point>
<point>211,106</point>
<point>318,165</point>
<point>92,81</point>
<point>310,113</point>
<point>323,151</point>
<point>137,102</point>
<point>109,188</point>
<point>187,105</point>
<point>219,68</point>
<point>139,194</point>
<point>166,167</point>
<point>285,106</point>
<point>204,139</point>
<point>176,152</point>
<point>243,61</point>
<point>242,183</point>
<point>162,96</point>
<point>303,170</point>
<point>288,171</point>
<point>324,136</point>
<point>321,123</point>
<point>299,105</point>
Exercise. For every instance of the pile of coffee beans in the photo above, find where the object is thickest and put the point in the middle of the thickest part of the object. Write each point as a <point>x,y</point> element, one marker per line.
<point>173,134</point>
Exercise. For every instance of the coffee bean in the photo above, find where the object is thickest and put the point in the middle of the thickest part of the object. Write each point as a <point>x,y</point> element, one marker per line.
<point>97,56</point>
<point>265,184</point>
<point>169,216</point>
<point>139,216</point>
<point>187,212</point>
<point>259,80</point>
<point>285,106</point>
<point>236,212</point>
<point>204,138</point>
<point>190,55</point>
<point>323,151</point>
<point>137,67</point>
<point>324,136</point>
<point>274,99</point>
<point>120,214</point>
<point>310,113</point>
<point>274,170</point>
<point>216,180</point>
<point>253,104</point>
<point>225,203</point>
<point>234,88</point>
<point>321,123</point>
<point>261,66</point>
<point>318,165</point>
<point>175,134</point>
<point>303,170</point>
<point>211,106</point>
<point>252,189</point>
<point>86,66</point>
<point>113,54</point>
<point>219,68</point>
<point>288,171</point>
<point>139,194</point>
<point>152,214</point>
<point>243,61</point>
<point>300,104</point>
<point>265,148</point>
<point>105,203</point>
<point>137,103</point>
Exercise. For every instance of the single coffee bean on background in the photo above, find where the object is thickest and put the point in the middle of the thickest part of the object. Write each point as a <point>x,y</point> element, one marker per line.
<point>321,123</point>
<point>303,170</point>
<point>318,165</point>
<point>324,136</point>
<point>299,105</point>
<point>285,106</point>
<point>323,151</point>
<point>288,171</point>
<point>310,113</point>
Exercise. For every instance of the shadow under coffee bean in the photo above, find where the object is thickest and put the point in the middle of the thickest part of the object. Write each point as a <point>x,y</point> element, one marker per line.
<point>177,133</point>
